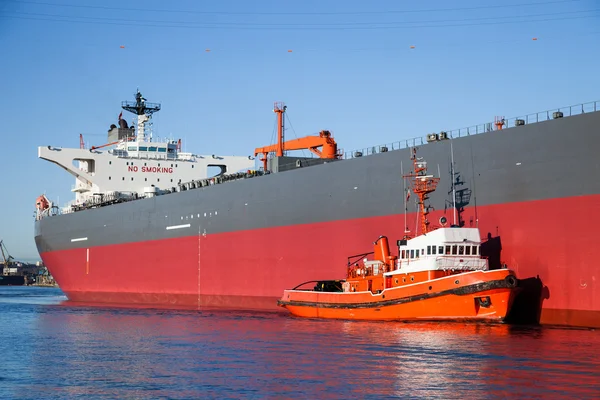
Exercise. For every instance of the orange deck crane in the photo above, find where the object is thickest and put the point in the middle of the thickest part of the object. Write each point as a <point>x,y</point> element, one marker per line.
<point>312,143</point>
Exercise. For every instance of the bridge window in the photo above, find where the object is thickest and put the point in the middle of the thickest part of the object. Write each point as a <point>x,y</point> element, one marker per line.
<point>151,148</point>
<point>474,250</point>
<point>461,250</point>
<point>428,250</point>
<point>162,150</point>
<point>441,250</point>
<point>403,254</point>
<point>417,253</point>
<point>468,250</point>
<point>143,148</point>
<point>433,249</point>
<point>447,250</point>
<point>412,254</point>
<point>454,248</point>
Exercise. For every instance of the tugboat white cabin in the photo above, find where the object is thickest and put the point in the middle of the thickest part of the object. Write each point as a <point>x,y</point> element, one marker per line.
<point>455,249</point>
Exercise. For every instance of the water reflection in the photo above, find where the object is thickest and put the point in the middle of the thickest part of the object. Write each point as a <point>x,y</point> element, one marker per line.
<point>141,353</point>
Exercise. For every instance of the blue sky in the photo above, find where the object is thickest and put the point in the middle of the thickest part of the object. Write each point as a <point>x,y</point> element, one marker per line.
<point>351,71</point>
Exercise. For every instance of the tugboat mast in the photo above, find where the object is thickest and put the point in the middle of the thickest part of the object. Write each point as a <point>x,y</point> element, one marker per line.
<point>422,185</point>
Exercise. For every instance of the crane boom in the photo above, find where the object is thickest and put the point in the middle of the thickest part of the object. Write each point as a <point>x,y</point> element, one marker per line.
<point>311,143</point>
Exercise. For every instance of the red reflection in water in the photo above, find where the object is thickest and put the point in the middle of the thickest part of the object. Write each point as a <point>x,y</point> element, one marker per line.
<point>125,353</point>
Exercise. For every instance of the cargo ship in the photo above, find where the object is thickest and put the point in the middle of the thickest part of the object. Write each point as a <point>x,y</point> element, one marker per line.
<point>149,225</point>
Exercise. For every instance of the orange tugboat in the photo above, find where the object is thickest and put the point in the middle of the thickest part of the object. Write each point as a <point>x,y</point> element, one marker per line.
<point>437,275</point>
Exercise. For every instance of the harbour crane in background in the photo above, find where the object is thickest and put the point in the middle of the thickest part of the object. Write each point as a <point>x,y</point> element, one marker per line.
<point>6,257</point>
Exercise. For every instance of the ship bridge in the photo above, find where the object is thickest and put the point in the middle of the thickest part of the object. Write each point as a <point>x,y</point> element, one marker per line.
<point>133,162</point>
<point>453,248</point>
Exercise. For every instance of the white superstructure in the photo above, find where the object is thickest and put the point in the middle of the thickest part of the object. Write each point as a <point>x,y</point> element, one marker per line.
<point>451,248</point>
<point>133,164</point>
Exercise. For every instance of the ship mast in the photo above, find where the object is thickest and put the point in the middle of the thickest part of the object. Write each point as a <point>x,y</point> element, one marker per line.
<point>143,110</point>
<point>422,184</point>
<point>280,108</point>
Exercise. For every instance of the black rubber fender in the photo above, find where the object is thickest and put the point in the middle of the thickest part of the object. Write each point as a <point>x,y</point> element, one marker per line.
<point>511,281</point>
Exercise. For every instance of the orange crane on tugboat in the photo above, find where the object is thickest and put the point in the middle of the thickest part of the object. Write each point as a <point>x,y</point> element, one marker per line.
<point>312,143</point>
<point>438,274</point>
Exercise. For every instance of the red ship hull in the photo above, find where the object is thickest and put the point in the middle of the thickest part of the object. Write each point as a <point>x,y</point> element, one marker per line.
<point>543,241</point>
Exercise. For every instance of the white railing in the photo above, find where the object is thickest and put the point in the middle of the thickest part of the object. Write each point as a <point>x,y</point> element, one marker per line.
<point>461,263</point>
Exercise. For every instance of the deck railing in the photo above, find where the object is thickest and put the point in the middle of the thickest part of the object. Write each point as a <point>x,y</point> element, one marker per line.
<point>480,128</point>
<point>473,130</point>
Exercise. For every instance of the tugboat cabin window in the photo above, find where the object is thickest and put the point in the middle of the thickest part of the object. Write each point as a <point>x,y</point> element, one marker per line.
<point>467,250</point>
<point>403,254</point>
<point>432,249</point>
<point>447,250</point>
<point>474,250</point>
<point>461,250</point>
<point>412,254</point>
<point>417,253</point>
<point>428,250</point>
<point>454,250</point>
<point>441,250</point>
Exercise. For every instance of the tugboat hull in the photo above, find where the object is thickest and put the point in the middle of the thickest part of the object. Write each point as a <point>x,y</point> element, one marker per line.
<point>478,295</point>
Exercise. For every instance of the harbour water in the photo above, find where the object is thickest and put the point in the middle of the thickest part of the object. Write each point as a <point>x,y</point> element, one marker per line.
<point>52,349</point>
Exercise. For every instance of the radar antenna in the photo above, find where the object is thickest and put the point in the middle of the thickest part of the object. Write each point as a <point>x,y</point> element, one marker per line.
<point>143,110</point>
